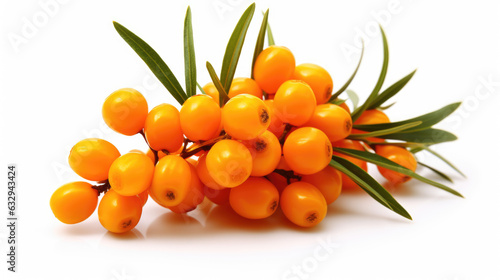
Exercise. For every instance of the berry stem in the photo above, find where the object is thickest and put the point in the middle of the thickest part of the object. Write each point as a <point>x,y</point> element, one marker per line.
<point>102,187</point>
<point>204,146</point>
<point>155,152</point>
<point>288,174</point>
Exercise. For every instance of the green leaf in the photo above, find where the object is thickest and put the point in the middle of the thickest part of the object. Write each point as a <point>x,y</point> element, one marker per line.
<point>200,88</point>
<point>386,107</point>
<point>344,87</point>
<point>391,91</point>
<point>444,160</point>
<point>270,37</point>
<point>353,97</point>
<point>388,164</point>
<point>234,46</point>
<point>337,101</point>
<point>368,184</point>
<point>259,45</point>
<point>427,120</point>
<point>427,136</point>
<point>154,62</point>
<point>223,98</point>
<point>383,131</point>
<point>439,173</point>
<point>355,115</point>
<point>189,57</point>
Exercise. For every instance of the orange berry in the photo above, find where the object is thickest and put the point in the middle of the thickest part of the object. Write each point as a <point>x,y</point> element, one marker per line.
<point>163,128</point>
<point>307,150</point>
<point>348,183</point>
<point>317,78</point>
<point>334,121</point>
<point>229,163</point>
<point>266,153</point>
<point>328,181</point>
<point>276,125</point>
<point>278,180</point>
<point>200,118</point>
<point>118,213</point>
<point>151,156</point>
<point>143,196</point>
<point>125,111</point>
<point>212,91</point>
<point>303,204</point>
<point>345,107</point>
<point>195,193</point>
<point>74,202</point>
<point>273,66</point>
<point>244,85</point>
<point>91,158</point>
<point>373,116</point>
<point>204,175</point>
<point>219,197</point>
<point>256,198</point>
<point>171,181</point>
<point>131,174</point>
<point>294,102</point>
<point>245,117</point>
<point>400,156</point>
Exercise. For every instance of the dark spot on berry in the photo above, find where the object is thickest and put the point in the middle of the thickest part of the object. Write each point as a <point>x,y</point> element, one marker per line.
<point>273,206</point>
<point>264,115</point>
<point>328,92</point>
<point>348,125</point>
<point>127,223</point>
<point>170,195</point>
<point>312,217</point>
<point>260,145</point>
<point>328,149</point>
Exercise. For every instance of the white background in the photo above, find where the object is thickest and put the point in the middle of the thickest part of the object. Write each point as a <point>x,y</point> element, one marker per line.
<point>55,78</point>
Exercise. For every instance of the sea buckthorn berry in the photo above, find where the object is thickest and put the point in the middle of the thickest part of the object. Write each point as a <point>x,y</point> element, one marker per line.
<point>195,193</point>
<point>266,153</point>
<point>219,197</point>
<point>273,66</point>
<point>204,175</point>
<point>328,181</point>
<point>294,102</point>
<point>373,116</point>
<point>307,150</point>
<point>317,78</point>
<point>143,196</point>
<point>92,157</point>
<point>400,156</point>
<point>229,163</point>
<point>151,156</point>
<point>131,174</point>
<point>74,202</point>
<point>256,198</point>
<point>278,180</point>
<point>118,213</point>
<point>244,85</point>
<point>348,183</point>
<point>212,91</point>
<point>125,111</point>
<point>163,128</point>
<point>345,107</point>
<point>171,181</point>
<point>334,121</point>
<point>276,125</point>
<point>245,117</point>
<point>303,204</point>
<point>200,118</point>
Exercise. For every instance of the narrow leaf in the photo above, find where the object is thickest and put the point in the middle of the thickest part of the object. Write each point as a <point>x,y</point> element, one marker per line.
<point>384,131</point>
<point>444,160</point>
<point>427,136</point>
<point>355,115</point>
<point>338,101</point>
<point>368,184</point>
<point>439,173</point>
<point>353,97</point>
<point>344,87</point>
<point>234,46</point>
<point>189,57</point>
<point>390,91</point>
<point>154,62</point>
<point>259,45</point>
<point>223,98</point>
<point>270,37</point>
<point>200,88</point>
<point>386,163</point>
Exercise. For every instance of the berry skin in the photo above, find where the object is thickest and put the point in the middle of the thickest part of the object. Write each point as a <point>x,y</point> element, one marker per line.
<point>200,118</point>
<point>125,111</point>
<point>91,158</point>
<point>74,202</point>
<point>118,213</point>
<point>307,150</point>
<point>163,128</point>
<point>204,175</point>
<point>273,66</point>
<point>266,153</point>
<point>244,85</point>
<point>256,198</point>
<point>171,181</point>
<point>317,78</point>
<point>143,196</point>
<point>276,125</point>
<point>333,120</point>
<point>194,196</point>
<point>400,156</point>
<point>373,116</point>
<point>348,183</point>
<point>245,117</point>
<point>131,174</point>
<point>328,181</point>
<point>345,107</point>
<point>294,102</point>
<point>229,163</point>
<point>278,180</point>
<point>303,204</point>
<point>212,91</point>
<point>219,197</point>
